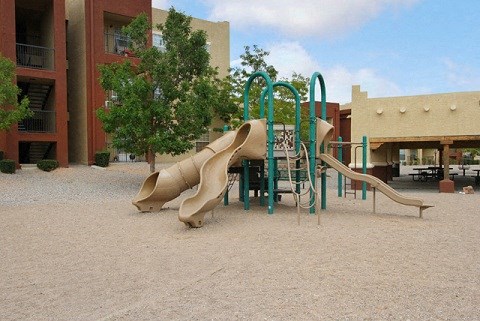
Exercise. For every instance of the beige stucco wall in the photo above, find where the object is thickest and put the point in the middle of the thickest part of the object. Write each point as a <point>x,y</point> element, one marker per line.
<point>423,156</point>
<point>449,114</point>
<point>77,78</point>
<point>218,34</point>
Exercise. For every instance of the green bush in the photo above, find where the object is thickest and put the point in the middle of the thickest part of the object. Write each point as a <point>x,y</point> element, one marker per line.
<point>7,166</point>
<point>102,159</point>
<point>47,165</point>
<point>469,161</point>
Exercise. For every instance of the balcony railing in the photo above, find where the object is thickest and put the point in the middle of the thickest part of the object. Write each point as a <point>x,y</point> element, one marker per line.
<point>35,56</point>
<point>117,44</point>
<point>42,121</point>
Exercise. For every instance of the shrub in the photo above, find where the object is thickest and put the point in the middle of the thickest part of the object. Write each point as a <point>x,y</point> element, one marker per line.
<point>7,166</point>
<point>102,159</point>
<point>47,165</point>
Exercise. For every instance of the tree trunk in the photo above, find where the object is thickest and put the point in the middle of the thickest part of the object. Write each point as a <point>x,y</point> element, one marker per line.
<point>151,160</point>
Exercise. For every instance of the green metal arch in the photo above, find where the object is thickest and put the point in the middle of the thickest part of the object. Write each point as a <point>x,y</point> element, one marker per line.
<point>313,130</point>
<point>294,91</point>
<point>270,138</point>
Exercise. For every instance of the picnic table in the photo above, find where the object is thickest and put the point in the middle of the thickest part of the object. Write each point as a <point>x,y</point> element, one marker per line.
<point>477,177</point>
<point>424,173</point>
<point>463,167</point>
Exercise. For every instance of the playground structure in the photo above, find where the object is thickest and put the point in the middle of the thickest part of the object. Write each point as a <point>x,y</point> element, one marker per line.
<point>255,140</point>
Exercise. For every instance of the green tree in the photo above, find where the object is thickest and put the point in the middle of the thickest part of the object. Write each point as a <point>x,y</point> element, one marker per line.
<point>166,100</point>
<point>284,105</point>
<point>11,110</point>
<point>253,60</point>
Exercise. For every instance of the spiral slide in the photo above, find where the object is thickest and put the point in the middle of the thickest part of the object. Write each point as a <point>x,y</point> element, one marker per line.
<point>168,184</point>
<point>249,143</point>
<point>324,134</point>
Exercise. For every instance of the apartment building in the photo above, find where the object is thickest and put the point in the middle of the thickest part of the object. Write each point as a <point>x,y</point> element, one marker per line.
<point>33,35</point>
<point>58,45</point>
<point>95,37</point>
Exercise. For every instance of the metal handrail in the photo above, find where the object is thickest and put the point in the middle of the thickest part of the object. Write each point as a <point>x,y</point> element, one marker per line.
<point>42,121</point>
<point>116,43</point>
<point>35,56</point>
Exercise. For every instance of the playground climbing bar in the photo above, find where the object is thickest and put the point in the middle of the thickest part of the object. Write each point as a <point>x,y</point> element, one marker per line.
<point>270,139</point>
<point>313,128</point>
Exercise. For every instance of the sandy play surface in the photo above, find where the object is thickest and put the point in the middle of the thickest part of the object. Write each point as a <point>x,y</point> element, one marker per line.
<point>72,247</point>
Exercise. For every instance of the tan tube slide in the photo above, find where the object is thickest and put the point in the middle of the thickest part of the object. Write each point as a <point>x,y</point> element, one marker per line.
<point>168,184</point>
<point>249,143</point>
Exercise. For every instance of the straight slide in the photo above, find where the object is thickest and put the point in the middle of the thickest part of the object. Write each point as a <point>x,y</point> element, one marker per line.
<point>249,142</point>
<point>324,135</point>
<point>374,182</point>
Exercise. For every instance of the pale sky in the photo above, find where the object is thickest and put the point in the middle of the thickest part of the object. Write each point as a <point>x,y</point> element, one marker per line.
<point>388,47</point>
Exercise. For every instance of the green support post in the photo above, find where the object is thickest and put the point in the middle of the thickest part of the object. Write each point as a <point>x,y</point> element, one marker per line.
<point>225,197</point>
<point>241,187</point>
<point>275,181</point>
<point>364,166</point>
<point>270,138</point>
<point>340,158</point>
<point>313,139</point>
<point>262,185</point>
<point>246,184</point>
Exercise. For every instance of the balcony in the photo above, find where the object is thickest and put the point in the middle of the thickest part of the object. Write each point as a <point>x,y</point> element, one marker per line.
<point>42,121</point>
<point>117,44</point>
<point>37,57</point>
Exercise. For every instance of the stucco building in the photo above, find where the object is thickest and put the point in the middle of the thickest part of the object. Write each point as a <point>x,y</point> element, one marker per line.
<point>437,122</point>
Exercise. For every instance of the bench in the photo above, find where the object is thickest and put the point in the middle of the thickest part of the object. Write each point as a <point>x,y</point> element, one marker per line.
<point>414,175</point>
<point>439,175</point>
<point>423,176</point>
<point>477,179</point>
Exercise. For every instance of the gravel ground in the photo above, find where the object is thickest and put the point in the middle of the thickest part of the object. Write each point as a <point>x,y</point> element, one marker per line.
<point>72,247</point>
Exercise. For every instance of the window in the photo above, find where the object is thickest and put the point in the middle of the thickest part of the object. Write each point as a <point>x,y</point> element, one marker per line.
<point>157,41</point>
<point>121,44</point>
<point>202,141</point>
<point>112,98</point>
<point>157,93</point>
